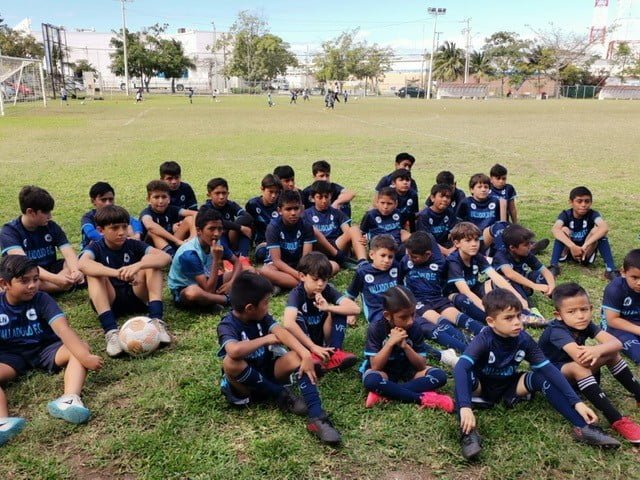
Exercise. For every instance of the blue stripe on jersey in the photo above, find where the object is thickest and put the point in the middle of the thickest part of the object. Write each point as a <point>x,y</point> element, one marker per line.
<point>10,247</point>
<point>53,319</point>
<point>468,359</point>
<point>605,307</point>
<point>540,365</point>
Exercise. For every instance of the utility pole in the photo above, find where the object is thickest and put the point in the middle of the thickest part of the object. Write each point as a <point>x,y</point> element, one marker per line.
<point>434,12</point>
<point>124,37</point>
<point>467,30</point>
<point>215,59</point>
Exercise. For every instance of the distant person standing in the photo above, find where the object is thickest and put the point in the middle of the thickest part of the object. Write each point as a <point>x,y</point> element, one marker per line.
<point>214,95</point>
<point>305,95</point>
<point>190,94</point>
<point>139,95</point>
<point>269,99</point>
<point>294,97</point>
<point>63,95</point>
<point>345,94</point>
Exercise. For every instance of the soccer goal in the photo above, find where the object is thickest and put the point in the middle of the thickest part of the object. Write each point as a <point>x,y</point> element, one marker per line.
<point>21,80</point>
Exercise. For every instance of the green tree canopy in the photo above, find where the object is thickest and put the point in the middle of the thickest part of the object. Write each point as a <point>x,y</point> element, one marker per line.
<point>17,44</point>
<point>448,62</point>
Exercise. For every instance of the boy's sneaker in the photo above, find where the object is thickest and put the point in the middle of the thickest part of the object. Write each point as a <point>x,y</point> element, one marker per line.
<point>373,399</point>
<point>471,444</point>
<point>230,395</point>
<point>70,408</point>
<point>533,320</point>
<point>161,325</point>
<point>288,402</point>
<point>114,347</point>
<point>245,262</point>
<point>611,274</point>
<point>227,266</point>
<point>540,246</point>
<point>592,435</point>
<point>322,428</point>
<point>555,270</point>
<point>436,400</point>
<point>449,357</point>
<point>276,291</point>
<point>340,360</point>
<point>10,427</point>
<point>627,429</point>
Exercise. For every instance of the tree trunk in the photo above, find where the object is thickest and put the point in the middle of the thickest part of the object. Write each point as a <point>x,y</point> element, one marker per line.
<point>173,85</point>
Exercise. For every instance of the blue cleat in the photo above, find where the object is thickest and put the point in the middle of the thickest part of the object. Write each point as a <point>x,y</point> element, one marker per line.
<point>69,408</point>
<point>10,427</point>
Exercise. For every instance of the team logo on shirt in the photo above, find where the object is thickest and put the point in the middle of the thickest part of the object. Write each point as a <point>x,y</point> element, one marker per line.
<point>393,272</point>
<point>31,314</point>
<point>627,302</point>
<point>258,210</point>
<point>492,358</point>
<point>315,219</point>
<point>410,264</point>
<point>24,242</point>
<point>274,214</point>
<point>378,220</point>
<point>446,218</point>
<point>282,235</point>
<point>571,224</point>
<point>475,269</point>
<point>126,258</point>
<point>368,278</point>
<point>419,305</point>
<point>395,216</point>
<point>584,224</point>
<point>299,234</point>
<point>492,206</point>
<point>434,267</point>
<point>331,217</point>
<point>182,198</point>
<point>4,320</point>
<point>519,356</point>
<point>526,268</point>
<point>410,202</point>
<point>473,206</point>
<point>304,307</point>
<point>48,237</point>
<point>431,221</point>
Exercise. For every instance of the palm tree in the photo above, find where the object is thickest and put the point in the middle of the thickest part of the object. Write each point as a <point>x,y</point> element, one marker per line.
<point>480,65</point>
<point>448,63</point>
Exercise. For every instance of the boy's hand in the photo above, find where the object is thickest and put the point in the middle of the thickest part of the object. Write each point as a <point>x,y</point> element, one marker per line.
<point>576,252</point>
<point>217,249</point>
<point>76,276</point>
<point>321,303</point>
<point>323,352</point>
<point>586,413</point>
<point>224,288</point>
<point>397,336</point>
<point>363,240</point>
<point>128,273</point>
<point>542,288</point>
<point>271,339</point>
<point>307,366</point>
<point>92,362</point>
<point>64,281</point>
<point>588,356</point>
<point>467,420</point>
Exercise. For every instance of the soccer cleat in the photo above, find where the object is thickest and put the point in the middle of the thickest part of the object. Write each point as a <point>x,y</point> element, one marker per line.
<point>70,408</point>
<point>540,246</point>
<point>322,428</point>
<point>10,427</point>
<point>114,347</point>
<point>161,325</point>
<point>229,394</point>
<point>245,262</point>
<point>555,270</point>
<point>449,357</point>
<point>436,400</point>
<point>533,320</point>
<point>276,291</point>
<point>471,444</point>
<point>227,266</point>
<point>628,429</point>
<point>340,360</point>
<point>288,402</point>
<point>373,399</point>
<point>592,435</point>
<point>611,274</point>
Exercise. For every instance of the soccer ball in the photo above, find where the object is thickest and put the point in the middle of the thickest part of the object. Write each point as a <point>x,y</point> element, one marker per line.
<point>138,336</point>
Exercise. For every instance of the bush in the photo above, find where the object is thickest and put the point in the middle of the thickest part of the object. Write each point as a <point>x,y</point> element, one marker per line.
<point>249,90</point>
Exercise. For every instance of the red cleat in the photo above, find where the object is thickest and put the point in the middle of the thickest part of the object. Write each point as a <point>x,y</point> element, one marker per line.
<point>628,429</point>
<point>340,360</point>
<point>373,399</point>
<point>245,262</point>
<point>227,266</point>
<point>436,400</point>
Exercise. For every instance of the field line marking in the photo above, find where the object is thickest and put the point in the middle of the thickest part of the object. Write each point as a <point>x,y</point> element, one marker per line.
<point>132,119</point>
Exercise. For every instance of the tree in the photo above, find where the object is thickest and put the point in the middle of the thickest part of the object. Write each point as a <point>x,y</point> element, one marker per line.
<point>480,65</point>
<point>506,51</point>
<point>622,59</point>
<point>272,57</point>
<point>538,61</point>
<point>377,61</point>
<point>448,62</point>
<point>139,57</point>
<point>338,58</point>
<point>81,66</point>
<point>171,60</point>
<point>17,44</point>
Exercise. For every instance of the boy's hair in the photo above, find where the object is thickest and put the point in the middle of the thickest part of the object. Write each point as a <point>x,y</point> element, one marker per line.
<point>464,230</point>
<point>441,188</point>
<point>284,172</point>
<point>498,300</point>
<point>498,171</point>
<point>383,241</point>
<point>402,173</point>
<point>398,298</point>
<point>566,290</point>
<point>110,215</point>
<point>580,192</point>
<point>215,183</point>
<point>289,196</point>
<point>100,188</point>
<point>631,259</point>
<point>271,181</point>
<point>170,168</point>
<point>389,192</point>
<point>315,264</point>
<point>15,266</point>
<point>515,235</point>
<point>249,289</point>
<point>206,215</point>
<point>320,187</point>
<point>419,243</point>
<point>158,186</point>
<point>405,156</point>
<point>479,178</point>
<point>446,177</point>
<point>36,198</point>
<point>320,166</point>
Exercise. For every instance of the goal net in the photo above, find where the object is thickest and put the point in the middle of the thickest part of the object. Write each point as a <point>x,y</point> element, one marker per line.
<point>21,81</point>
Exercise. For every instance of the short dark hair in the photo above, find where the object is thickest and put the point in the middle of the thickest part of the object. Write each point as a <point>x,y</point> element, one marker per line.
<point>498,300</point>
<point>206,215</point>
<point>215,183</point>
<point>442,188</point>
<point>515,235</point>
<point>110,215</point>
<point>170,168</point>
<point>35,198</point>
<point>402,173</point>
<point>446,177</point>
<point>315,264</point>
<point>580,192</point>
<point>398,298</point>
<point>271,181</point>
<point>320,187</point>
<point>100,188</point>
<point>388,192</point>
<point>405,156</point>
<point>566,290</point>
<point>631,259</point>
<point>15,266</point>
<point>479,178</point>
<point>320,166</point>
<point>498,170</point>
<point>284,172</point>
<point>249,289</point>
<point>419,243</point>
<point>158,186</point>
<point>289,196</point>
<point>383,241</point>
<point>464,230</point>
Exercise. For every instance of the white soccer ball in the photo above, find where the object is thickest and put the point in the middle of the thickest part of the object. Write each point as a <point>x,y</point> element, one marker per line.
<point>138,336</point>
<point>82,102</point>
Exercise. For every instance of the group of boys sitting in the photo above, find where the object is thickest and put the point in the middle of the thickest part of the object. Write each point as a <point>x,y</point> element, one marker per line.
<point>455,272</point>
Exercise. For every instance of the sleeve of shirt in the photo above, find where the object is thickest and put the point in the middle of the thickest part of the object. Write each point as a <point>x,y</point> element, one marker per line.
<point>293,300</point>
<point>533,354</point>
<point>93,251</point>
<point>342,218</point>
<point>191,200</point>
<point>563,217</point>
<point>356,285</point>
<point>307,233</point>
<point>332,295</point>
<point>190,264</point>
<point>383,182</point>
<point>595,216</point>
<point>463,369</point>
<point>417,338</point>
<point>376,336</point>
<point>136,226</point>
<point>47,307</point>
<point>268,323</point>
<point>59,237</point>
<point>613,298</point>
<point>501,260</point>
<point>226,334</point>
<point>139,248</point>
<point>534,264</point>
<point>10,239</point>
<point>272,238</point>
<point>559,337</point>
<point>88,228</point>
<point>463,209</point>
<point>511,192</point>
<point>144,213</point>
<point>483,265</point>
<point>455,273</point>
<point>365,224</point>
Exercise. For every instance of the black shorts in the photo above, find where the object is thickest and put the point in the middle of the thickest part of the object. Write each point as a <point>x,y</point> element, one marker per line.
<point>54,267</point>
<point>494,391</point>
<point>438,304</point>
<point>126,301</point>
<point>41,357</point>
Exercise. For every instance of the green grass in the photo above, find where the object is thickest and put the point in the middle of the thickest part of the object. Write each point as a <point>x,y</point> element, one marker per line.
<point>163,416</point>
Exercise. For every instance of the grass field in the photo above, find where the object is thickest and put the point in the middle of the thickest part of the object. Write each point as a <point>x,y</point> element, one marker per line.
<point>163,416</point>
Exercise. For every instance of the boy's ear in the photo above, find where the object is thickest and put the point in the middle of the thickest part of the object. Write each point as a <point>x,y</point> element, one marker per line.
<point>100,229</point>
<point>3,284</point>
<point>30,211</point>
<point>490,320</point>
<point>387,315</point>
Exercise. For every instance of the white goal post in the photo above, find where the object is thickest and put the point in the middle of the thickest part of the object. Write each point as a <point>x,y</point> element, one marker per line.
<point>21,80</point>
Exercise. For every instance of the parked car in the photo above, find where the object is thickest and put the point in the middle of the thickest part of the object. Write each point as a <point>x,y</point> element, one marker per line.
<point>7,91</point>
<point>22,88</point>
<point>412,92</point>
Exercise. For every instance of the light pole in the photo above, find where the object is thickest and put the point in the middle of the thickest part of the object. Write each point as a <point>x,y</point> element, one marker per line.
<point>124,38</point>
<point>434,12</point>
<point>215,60</point>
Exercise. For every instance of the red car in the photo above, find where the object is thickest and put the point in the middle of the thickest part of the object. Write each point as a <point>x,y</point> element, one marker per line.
<point>22,88</point>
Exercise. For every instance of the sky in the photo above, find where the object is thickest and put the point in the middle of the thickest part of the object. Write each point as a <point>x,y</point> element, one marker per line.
<point>405,26</point>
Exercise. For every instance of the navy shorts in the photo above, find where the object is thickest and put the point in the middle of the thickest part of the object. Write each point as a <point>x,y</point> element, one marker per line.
<point>494,391</point>
<point>54,267</point>
<point>41,357</point>
<point>438,304</point>
<point>126,301</point>
<point>267,368</point>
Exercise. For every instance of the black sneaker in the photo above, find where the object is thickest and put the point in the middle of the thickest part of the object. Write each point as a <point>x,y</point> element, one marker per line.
<point>592,435</point>
<point>611,274</point>
<point>555,270</point>
<point>540,246</point>
<point>471,444</point>
<point>322,428</point>
<point>288,402</point>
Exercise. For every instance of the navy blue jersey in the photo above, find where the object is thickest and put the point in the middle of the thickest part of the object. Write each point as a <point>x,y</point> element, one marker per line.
<point>372,283</point>
<point>426,281</point>
<point>39,244</point>
<point>184,197</point>
<point>90,233</point>
<point>290,239</point>
<point>408,204</point>
<point>165,219</point>
<point>619,298</point>
<point>457,270</point>
<point>507,193</point>
<point>232,329</point>
<point>524,266</point>
<point>456,199</point>
<point>309,318</point>
<point>580,227</point>
<point>229,212</point>
<point>374,223</point>
<point>386,182</point>
<point>437,224</point>
<point>131,252</point>
<point>328,222</point>
<point>336,190</point>
<point>262,215</point>
<point>496,230</point>
<point>482,214</point>
<point>27,324</point>
<point>397,363</point>
<point>558,334</point>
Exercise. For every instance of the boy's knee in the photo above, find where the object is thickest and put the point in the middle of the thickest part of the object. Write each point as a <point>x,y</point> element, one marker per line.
<point>371,379</point>
<point>232,368</point>
<point>438,377</point>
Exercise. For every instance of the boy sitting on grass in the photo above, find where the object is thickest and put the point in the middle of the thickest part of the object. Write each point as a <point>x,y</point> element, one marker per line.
<point>182,195</point>
<point>263,209</point>
<point>438,218</point>
<point>340,196</point>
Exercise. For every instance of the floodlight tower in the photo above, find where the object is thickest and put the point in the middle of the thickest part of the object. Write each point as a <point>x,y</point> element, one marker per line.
<point>434,12</point>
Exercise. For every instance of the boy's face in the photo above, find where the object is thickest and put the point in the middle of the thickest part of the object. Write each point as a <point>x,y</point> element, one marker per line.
<point>468,246</point>
<point>270,195</point>
<point>172,180</point>
<point>499,182</point>
<point>288,183</point>
<point>219,196</point>
<point>575,312</point>
<point>480,191</point>
<point>402,185</point>
<point>322,201</point>
<point>632,276</point>
<point>521,250</point>
<point>312,284</point>
<point>103,200</point>
<point>115,234</point>
<point>507,323</point>
<point>386,205</point>
<point>211,232</point>
<point>419,258</point>
<point>38,217</point>
<point>158,200</point>
<point>402,318</point>
<point>322,176</point>
<point>290,213</point>
<point>406,164</point>
<point>581,205</point>
<point>440,202</point>
<point>24,288</point>
<point>382,258</point>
